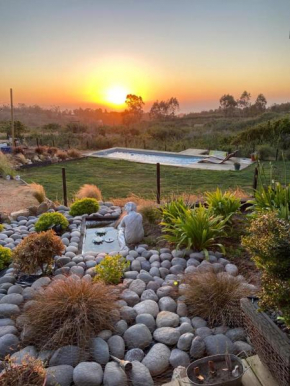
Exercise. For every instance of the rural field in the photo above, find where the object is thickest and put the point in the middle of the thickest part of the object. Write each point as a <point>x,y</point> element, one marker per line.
<point>119,179</point>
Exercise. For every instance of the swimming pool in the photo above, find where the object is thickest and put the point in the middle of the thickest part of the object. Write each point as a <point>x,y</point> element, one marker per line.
<point>148,156</point>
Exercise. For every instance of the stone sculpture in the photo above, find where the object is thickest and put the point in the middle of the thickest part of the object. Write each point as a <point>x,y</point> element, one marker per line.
<point>131,226</point>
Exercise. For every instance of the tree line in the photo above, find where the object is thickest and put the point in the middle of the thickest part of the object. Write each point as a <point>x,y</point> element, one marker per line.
<point>243,104</point>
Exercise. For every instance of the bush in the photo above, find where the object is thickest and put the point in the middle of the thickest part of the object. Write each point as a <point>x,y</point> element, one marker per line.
<point>48,220</point>
<point>1,228</point>
<point>197,228</point>
<point>37,251</point>
<point>52,150</point>
<point>89,191</point>
<point>18,150</point>
<point>38,192</point>
<point>173,210</point>
<point>30,372</point>
<point>74,153</point>
<point>223,204</point>
<point>71,312</point>
<point>84,206</point>
<point>268,242</point>
<point>5,256</point>
<point>5,166</point>
<point>62,155</point>
<point>151,213</point>
<point>111,269</point>
<point>41,150</point>
<point>266,152</point>
<point>214,297</point>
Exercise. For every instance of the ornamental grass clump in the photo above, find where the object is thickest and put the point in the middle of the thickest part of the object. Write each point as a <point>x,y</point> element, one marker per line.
<point>49,220</point>
<point>71,312</point>
<point>84,206</point>
<point>111,269</point>
<point>196,228</point>
<point>5,256</point>
<point>30,372</point>
<point>38,192</point>
<point>89,191</point>
<point>222,204</point>
<point>214,297</point>
<point>37,251</point>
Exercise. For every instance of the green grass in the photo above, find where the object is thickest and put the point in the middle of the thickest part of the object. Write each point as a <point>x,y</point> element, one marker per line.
<point>118,179</point>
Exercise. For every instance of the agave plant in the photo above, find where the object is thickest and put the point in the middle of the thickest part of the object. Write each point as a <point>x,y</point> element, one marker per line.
<point>223,204</point>
<point>198,228</point>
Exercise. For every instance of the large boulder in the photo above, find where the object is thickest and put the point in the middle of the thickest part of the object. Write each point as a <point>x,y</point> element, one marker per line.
<point>218,344</point>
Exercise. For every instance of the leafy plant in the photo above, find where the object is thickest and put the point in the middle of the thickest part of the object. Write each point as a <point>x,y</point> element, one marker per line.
<point>84,206</point>
<point>173,210</point>
<point>38,192</point>
<point>214,297</point>
<point>1,228</point>
<point>49,220</point>
<point>6,167</point>
<point>89,191</point>
<point>111,269</point>
<point>37,251</point>
<point>151,213</point>
<point>268,242</point>
<point>30,372</point>
<point>5,256</point>
<point>71,312</point>
<point>222,204</point>
<point>197,228</point>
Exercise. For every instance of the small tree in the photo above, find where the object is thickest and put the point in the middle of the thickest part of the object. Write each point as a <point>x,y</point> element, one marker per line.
<point>135,109</point>
<point>261,103</point>
<point>164,109</point>
<point>228,104</point>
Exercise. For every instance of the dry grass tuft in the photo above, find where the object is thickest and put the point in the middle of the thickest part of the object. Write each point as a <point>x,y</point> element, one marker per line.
<point>71,312</point>
<point>52,150</point>
<point>74,153</point>
<point>41,150</point>
<point>38,192</point>
<point>62,155</point>
<point>214,297</point>
<point>29,373</point>
<point>89,191</point>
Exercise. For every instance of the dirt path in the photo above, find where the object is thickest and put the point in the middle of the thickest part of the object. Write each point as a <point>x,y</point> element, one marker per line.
<point>14,196</point>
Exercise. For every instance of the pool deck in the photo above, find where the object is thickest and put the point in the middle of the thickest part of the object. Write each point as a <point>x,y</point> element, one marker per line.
<point>256,375</point>
<point>228,165</point>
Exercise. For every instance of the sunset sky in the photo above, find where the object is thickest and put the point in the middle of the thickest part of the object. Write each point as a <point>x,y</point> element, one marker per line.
<point>92,52</point>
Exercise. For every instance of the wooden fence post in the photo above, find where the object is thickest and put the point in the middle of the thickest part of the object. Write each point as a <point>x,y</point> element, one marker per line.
<point>256,174</point>
<point>37,143</point>
<point>64,187</point>
<point>277,153</point>
<point>158,182</point>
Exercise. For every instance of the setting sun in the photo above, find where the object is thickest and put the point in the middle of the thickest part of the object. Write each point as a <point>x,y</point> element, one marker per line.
<point>116,95</point>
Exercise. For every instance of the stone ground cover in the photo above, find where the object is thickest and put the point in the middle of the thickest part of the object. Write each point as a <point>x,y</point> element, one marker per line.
<point>153,329</point>
<point>118,179</point>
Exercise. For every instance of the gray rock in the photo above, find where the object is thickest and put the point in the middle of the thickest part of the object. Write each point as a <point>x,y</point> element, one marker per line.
<point>145,276</point>
<point>236,334</point>
<point>149,294</point>
<point>197,349</point>
<point>135,354</point>
<point>120,327</point>
<point>203,332</point>
<point>88,374</point>
<point>148,320</point>
<point>23,354</point>
<point>28,293</point>
<point>157,359</point>
<point>131,274</point>
<point>198,322</point>
<point>59,375</point>
<point>130,297</point>
<point>181,309</point>
<point>114,375</point>
<point>6,322</point>
<point>15,289</point>
<point>41,282</point>
<point>153,285</point>
<point>138,336</point>
<point>8,345</point>
<point>147,307</point>
<point>8,330</point>
<point>12,299</point>
<point>232,269</point>
<point>45,356</point>
<point>220,330</point>
<point>8,310</point>
<point>185,327</point>
<point>166,335</point>
<point>117,346</point>
<point>166,303</point>
<point>179,358</point>
<point>164,291</point>
<point>243,346</point>
<point>185,340</point>
<point>128,314</point>
<point>167,319</point>
<point>138,286</point>
<point>218,344</point>
<point>100,351</point>
<point>105,334</point>
<point>67,355</point>
<point>77,270</point>
<point>140,375</point>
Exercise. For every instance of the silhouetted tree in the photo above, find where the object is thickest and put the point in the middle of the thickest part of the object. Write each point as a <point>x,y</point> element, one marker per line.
<point>228,104</point>
<point>135,109</point>
<point>261,103</point>
<point>164,109</point>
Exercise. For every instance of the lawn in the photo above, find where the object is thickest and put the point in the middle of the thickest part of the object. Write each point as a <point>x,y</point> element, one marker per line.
<point>121,178</point>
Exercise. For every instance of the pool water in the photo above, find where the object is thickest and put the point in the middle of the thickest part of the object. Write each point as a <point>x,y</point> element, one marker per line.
<point>150,157</point>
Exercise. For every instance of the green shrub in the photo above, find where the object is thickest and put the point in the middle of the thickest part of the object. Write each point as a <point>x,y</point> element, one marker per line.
<point>223,204</point>
<point>197,228</point>
<point>151,213</point>
<point>1,228</point>
<point>266,152</point>
<point>111,269</point>
<point>6,167</point>
<point>5,257</point>
<point>268,242</point>
<point>84,206</point>
<point>37,251</point>
<point>48,220</point>
<point>172,211</point>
